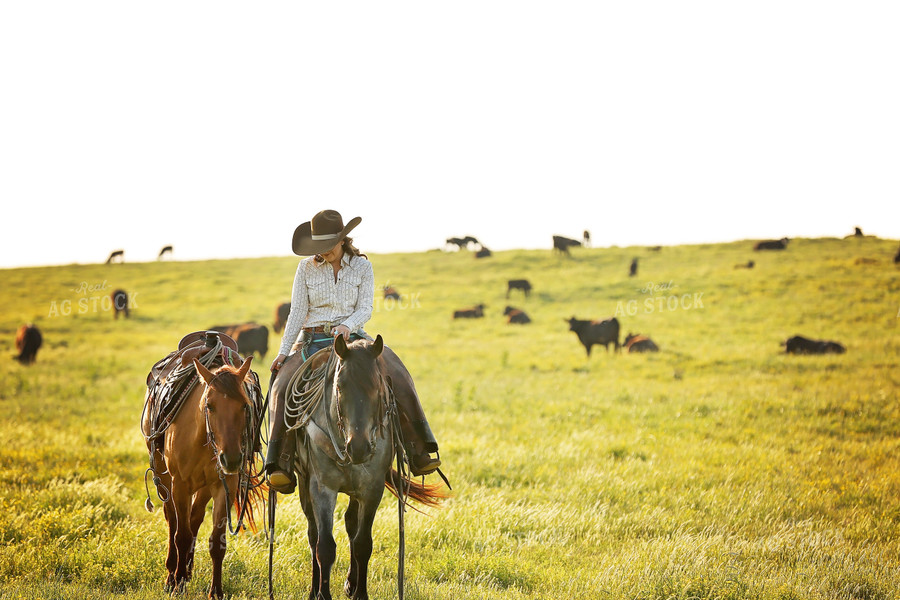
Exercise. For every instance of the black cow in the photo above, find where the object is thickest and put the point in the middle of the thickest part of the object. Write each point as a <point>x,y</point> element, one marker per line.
<point>469,313</point>
<point>857,232</point>
<point>116,256</point>
<point>281,316</point>
<point>515,316</point>
<point>518,284</point>
<point>464,242</point>
<point>897,258</point>
<point>639,343</point>
<point>250,337</point>
<point>482,253</point>
<point>28,341</point>
<point>120,303</point>
<point>596,332</point>
<point>771,244</point>
<point>632,270</point>
<point>801,345</point>
<point>562,244</point>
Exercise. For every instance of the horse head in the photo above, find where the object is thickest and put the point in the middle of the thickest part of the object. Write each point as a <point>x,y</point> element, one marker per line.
<point>225,404</point>
<point>358,396</point>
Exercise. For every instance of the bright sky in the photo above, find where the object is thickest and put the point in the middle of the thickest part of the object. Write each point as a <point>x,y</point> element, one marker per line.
<point>218,127</point>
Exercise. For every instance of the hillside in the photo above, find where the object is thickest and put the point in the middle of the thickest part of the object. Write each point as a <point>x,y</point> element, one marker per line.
<point>719,467</point>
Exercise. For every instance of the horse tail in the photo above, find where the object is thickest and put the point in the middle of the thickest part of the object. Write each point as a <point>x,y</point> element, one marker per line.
<point>429,494</point>
<point>256,494</point>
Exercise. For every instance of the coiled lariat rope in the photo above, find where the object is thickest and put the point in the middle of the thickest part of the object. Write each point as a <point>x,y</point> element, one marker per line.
<point>305,391</point>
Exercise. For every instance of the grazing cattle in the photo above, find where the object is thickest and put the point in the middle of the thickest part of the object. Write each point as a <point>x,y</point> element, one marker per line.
<point>632,270</point>
<point>857,232</point>
<point>468,242</point>
<point>562,244</point>
<point>250,337</point>
<point>455,241</point>
<point>515,316</point>
<point>281,316</point>
<point>483,253</point>
<point>801,345</point>
<point>596,332</point>
<point>28,341</point>
<point>120,303</point>
<point>586,238</point>
<point>639,343</point>
<point>469,313</point>
<point>771,244</point>
<point>518,284</point>
<point>749,265</point>
<point>166,250</point>
<point>391,293</point>
<point>116,256</point>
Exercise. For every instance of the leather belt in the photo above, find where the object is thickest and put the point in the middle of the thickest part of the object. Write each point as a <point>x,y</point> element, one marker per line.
<point>326,329</point>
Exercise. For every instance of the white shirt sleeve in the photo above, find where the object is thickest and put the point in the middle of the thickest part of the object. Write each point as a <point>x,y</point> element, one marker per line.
<point>299,309</point>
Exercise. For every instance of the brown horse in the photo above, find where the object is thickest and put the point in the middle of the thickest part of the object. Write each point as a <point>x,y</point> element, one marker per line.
<point>204,451</point>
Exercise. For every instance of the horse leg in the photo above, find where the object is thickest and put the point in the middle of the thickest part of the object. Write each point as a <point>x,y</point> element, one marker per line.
<point>181,500</point>
<point>172,551</point>
<point>312,535</point>
<point>351,524</point>
<point>362,544</point>
<point>218,541</point>
<point>323,501</point>
<point>198,512</point>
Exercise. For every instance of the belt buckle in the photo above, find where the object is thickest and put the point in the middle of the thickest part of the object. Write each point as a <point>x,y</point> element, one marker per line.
<point>327,328</point>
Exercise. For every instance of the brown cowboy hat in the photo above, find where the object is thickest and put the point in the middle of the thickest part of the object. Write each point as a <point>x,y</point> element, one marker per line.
<point>322,233</point>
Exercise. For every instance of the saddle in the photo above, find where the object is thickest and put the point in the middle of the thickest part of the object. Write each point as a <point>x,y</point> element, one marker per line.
<point>167,392</point>
<point>193,345</point>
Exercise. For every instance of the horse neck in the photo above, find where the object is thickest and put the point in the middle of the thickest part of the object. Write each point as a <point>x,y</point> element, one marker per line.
<point>193,414</point>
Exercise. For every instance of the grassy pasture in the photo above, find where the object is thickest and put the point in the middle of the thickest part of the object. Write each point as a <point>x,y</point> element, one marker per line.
<point>717,468</point>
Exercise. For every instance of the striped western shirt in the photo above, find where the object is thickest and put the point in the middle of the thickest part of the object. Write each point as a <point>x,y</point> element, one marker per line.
<point>317,299</point>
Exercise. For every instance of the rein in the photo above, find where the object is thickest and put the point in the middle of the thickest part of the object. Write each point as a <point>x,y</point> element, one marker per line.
<point>246,475</point>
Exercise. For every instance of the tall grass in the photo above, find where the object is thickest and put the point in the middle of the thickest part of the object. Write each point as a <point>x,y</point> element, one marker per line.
<point>717,468</point>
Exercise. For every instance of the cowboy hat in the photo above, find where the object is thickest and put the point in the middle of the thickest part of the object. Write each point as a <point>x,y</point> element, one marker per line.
<point>322,233</point>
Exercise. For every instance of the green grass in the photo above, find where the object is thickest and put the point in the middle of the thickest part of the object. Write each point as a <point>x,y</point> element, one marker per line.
<point>718,468</point>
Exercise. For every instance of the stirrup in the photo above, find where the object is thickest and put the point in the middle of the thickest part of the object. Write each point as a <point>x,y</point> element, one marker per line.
<point>423,464</point>
<point>282,482</point>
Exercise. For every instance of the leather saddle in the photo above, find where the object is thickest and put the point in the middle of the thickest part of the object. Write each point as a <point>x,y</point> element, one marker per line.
<point>193,345</point>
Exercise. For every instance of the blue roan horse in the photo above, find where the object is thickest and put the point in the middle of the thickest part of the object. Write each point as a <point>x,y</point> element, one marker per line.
<point>346,445</point>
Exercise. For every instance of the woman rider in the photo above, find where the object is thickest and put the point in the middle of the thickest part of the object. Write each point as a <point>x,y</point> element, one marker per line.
<point>332,295</point>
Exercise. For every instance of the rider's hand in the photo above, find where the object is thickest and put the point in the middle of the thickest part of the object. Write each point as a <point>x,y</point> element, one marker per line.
<point>342,330</point>
<point>276,364</point>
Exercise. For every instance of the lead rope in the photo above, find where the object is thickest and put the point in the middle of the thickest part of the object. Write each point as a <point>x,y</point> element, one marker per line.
<point>401,485</point>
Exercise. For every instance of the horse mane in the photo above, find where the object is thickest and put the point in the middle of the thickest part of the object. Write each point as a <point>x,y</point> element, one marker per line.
<point>226,381</point>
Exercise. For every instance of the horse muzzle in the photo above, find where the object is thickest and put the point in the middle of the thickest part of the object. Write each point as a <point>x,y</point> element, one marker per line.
<point>360,448</point>
<point>230,463</point>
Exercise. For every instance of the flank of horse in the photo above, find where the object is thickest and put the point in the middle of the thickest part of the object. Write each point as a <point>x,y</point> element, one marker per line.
<point>347,447</point>
<point>206,437</point>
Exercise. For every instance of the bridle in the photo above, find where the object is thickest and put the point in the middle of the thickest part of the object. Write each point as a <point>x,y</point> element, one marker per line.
<point>244,475</point>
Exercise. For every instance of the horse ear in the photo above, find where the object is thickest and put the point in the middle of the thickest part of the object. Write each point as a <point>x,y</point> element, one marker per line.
<point>377,346</point>
<point>340,346</point>
<point>205,373</point>
<point>245,368</point>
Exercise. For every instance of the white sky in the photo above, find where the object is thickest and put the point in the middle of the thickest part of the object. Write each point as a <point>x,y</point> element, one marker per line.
<point>135,125</point>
